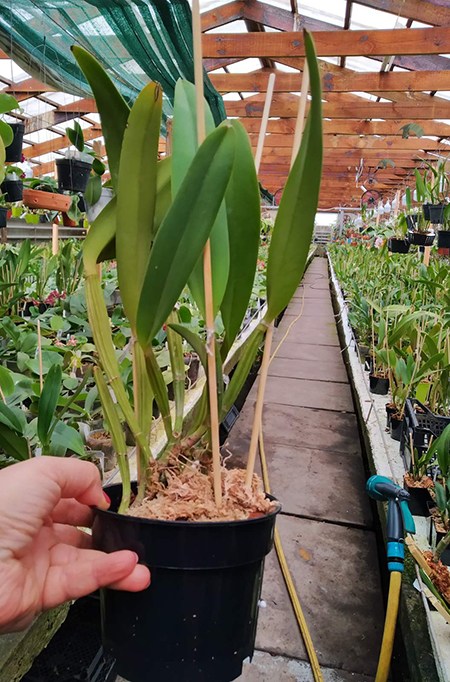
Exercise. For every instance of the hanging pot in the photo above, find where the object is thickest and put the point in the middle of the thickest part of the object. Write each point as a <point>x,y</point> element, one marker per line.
<point>14,150</point>
<point>73,174</point>
<point>197,620</point>
<point>443,239</point>
<point>3,217</point>
<point>398,245</point>
<point>434,213</point>
<point>411,221</point>
<point>35,198</point>
<point>379,385</point>
<point>13,190</point>
<point>421,238</point>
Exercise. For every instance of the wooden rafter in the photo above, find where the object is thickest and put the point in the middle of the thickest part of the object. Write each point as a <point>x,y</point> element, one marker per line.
<point>432,12</point>
<point>351,127</point>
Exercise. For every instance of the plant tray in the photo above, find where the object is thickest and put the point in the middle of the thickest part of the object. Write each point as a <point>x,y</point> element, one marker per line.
<point>422,424</point>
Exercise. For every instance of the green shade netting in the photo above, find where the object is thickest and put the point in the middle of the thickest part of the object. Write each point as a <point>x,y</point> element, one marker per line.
<point>135,40</point>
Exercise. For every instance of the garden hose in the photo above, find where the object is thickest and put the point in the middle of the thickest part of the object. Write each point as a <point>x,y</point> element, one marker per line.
<point>279,547</point>
<point>387,645</point>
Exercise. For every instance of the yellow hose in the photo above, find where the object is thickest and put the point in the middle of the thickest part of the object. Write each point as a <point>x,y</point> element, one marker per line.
<point>389,627</point>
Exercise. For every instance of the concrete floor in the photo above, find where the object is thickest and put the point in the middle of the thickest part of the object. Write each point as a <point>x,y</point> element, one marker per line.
<point>316,470</point>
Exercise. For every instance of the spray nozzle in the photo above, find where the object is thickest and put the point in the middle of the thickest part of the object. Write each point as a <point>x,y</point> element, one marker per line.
<point>399,518</point>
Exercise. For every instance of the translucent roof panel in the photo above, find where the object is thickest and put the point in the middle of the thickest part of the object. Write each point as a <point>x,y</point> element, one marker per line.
<point>10,70</point>
<point>234,27</point>
<point>245,65</point>
<point>35,107</point>
<point>43,135</point>
<point>365,17</point>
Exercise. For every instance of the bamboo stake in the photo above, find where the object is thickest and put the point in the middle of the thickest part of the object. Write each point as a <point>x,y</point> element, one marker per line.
<point>207,275</point>
<point>55,245</point>
<point>426,255</point>
<point>265,118</point>
<point>41,377</point>
<point>257,419</point>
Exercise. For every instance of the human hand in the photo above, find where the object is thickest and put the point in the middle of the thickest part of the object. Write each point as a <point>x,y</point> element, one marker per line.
<point>44,559</point>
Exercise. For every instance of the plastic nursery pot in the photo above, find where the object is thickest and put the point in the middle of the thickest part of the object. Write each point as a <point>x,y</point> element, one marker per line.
<point>435,536</point>
<point>434,213</point>
<point>14,151</point>
<point>390,410</point>
<point>421,238</point>
<point>13,190</point>
<point>197,620</point>
<point>419,499</point>
<point>443,239</point>
<point>73,174</point>
<point>379,385</point>
<point>3,217</point>
<point>398,245</point>
<point>36,198</point>
<point>67,222</point>
<point>411,221</point>
<point>396,427</point>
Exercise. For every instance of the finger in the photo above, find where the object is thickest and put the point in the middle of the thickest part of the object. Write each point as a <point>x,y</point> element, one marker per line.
<point>77,479</point>
<point>137,581</point>
<point>72,513</point>
<point>79,578</point>
<point>68,535</point>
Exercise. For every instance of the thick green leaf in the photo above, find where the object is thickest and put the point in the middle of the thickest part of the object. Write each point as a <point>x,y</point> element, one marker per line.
<point>7,103</point>
<point>14,445</point>
<point>442,450</point>
<point>93,190</point>
<point>294,224</point>
<point>67,437</point>
<point>163,191</point>
<point>441,497</point>
<point>10,418</point>
<point>100,235</point>
<point>184,148</point>
<point>24,257</point>
<point>111,106</point>
<point>98,166</point>
<point>75,136</point>
<point>6,381</point>
<point>405,323</point>
<point>6,133</point>
<point>244,222</point>
<point>184,231</point>
<point>137,196</point>
<point>193,340</point>
<point>48,402</point>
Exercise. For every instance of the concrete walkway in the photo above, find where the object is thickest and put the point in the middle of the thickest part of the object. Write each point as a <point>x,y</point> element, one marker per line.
<point>316,470</point>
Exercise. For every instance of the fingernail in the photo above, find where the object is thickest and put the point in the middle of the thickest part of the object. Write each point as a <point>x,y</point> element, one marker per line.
<point>106,498</point>
<point>106,502</point>
<point>137,557</point>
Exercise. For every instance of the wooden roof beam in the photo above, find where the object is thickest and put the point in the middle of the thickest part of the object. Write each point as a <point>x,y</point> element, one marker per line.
<point>219,16</point>
<point>417,41</point>
<point>350,127</point>
<point>427,11</point>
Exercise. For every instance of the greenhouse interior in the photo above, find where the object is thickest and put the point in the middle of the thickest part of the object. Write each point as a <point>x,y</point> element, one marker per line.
<point>225,319</point>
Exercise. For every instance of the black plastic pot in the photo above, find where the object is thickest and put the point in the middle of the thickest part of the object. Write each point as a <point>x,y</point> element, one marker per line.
<point>14,151</point>
<point>390,410</point>
<point>398,245</point>
<point>379,385</point>
<point>396,428</point>
<point>411,221</point>
<point>73,175</point>
<point>434,213</point>
<point>197,620</point>
<point>419,500</point>
<point>421,238</point>
<point>3,217</point>
<point>13,190</point>
<point>443,239</point>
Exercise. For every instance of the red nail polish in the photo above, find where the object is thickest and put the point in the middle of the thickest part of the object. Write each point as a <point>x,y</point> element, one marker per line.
<point>106,497</point>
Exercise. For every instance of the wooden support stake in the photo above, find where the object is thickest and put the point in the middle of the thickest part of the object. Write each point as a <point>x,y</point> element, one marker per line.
<point>55,239</point>
<point>265,118</point>
<point>397,203</point>
<point>207,275</point>
<point>257,419</point>
<point>169,133</point>
<point>41,376</point>
<point>426,255</point>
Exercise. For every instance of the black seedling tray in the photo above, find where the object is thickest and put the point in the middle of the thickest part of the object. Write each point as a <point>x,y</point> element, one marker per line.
<point>422,424</point>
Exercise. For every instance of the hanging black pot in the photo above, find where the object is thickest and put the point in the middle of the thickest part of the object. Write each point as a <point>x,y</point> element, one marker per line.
<point>3,217</point>
<point>398,245</point>
<point>434,213</point>
<point>411,221</point>
<point>379,385</point>
<point>421,238</point>
<point>14,150</point>
<point>443,239</point>
<point>73,175</point>
<point>197,620</point>
<point>13,190</point>
<point>396,427</point>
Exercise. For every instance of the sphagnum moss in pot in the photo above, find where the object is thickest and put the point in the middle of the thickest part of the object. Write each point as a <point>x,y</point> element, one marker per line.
<point>202,530</point>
